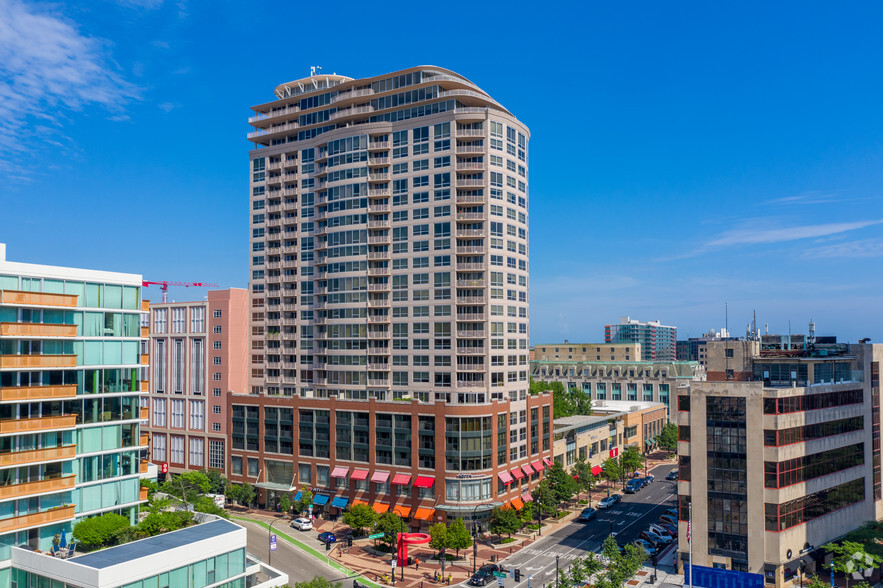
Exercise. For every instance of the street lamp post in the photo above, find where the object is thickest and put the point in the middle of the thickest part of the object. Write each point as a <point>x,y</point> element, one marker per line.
<point>474,538</point>
<point>269,538</point>
<point>557,582</point>
<point>401,549</point>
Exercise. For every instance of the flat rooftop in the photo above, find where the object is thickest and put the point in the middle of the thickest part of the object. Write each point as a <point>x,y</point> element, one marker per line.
<point>128,552</point>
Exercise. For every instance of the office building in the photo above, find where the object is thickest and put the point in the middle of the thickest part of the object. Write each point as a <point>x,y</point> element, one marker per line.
<point>198,354</point>
<point>610,428</point>
<point>72,372</point>
<point>389,298</point>
<point>780,465</point>
<point>696,348</point>
<point>582,352</point>
<point>658,342</point>
<point>629,381</point>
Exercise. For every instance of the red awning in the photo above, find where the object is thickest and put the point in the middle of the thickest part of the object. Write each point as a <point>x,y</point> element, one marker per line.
<point>517,473</point>
<point>548,461</point>
<point>424,481</point>
<point>505,478</point>
<point>340,472</point>
<point>527,497</point>
<point>527,469</point>
<point>380,477</point>
<point>401,479</point>
<point>359,475</point>
<point>597,470</point>
<point>538,466</point>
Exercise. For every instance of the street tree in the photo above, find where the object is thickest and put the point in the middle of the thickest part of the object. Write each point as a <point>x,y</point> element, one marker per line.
<point>851,557</point>
<point>438,536</point>
<point>631,459</point>
<point>217,482</point>
<point>561,483</point>
<point>668,437</point>
<point>390,524</point>
<point>187,486</point>
<point>611,470</point>
<point>285,503</point>
<point>246,494</point>
<point>544,500</point>
<point>306,499</point>
<point>458,536</point>
<point>360,517</point>
<point>504,520</point>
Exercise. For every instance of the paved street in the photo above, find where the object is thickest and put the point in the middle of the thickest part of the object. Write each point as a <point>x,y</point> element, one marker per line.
<point>299,566</point>
<point>629,518</point>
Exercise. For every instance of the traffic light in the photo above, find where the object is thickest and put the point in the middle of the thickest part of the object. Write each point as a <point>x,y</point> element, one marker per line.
<point>349,540</point>
<point>517,575</point>
<point>327,545</point>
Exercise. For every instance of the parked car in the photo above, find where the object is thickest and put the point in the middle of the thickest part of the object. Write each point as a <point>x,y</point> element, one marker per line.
<point>652,538</point>
<point>302,524</point>
<point>609,501</point>
<point>662,532</point>
<point>481,578</point>
<point>672,512</point>
<point>667,520</point>
<point>327,537</point>
<point>587,514</point>
<point>649,478</point>
<point>632,486</point>
<point>646,546</point>
<point>672,475</point>
<point>672,529</point>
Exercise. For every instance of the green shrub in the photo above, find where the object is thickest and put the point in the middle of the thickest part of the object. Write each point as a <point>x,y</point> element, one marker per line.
<point>507,540</point>
<point>100,531</point>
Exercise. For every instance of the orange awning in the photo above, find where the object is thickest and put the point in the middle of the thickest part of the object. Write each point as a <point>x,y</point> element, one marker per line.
<point>422,514</point>
<point>355,502</point>
<point>401,510</point>
<point>380,507</point>
<point>517,503</point>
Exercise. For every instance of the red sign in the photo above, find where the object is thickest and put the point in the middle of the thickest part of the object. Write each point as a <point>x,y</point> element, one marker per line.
<point>165,468</point>
<point>614,452</point>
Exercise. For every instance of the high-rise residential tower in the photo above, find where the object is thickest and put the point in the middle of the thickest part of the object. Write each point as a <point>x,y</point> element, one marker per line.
<point>658,342</point>
<point>72,371</point>
<point>389,286</point>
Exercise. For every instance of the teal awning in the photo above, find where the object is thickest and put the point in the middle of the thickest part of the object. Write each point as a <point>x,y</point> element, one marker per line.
<point>340,502</point>
<point>320,499</point>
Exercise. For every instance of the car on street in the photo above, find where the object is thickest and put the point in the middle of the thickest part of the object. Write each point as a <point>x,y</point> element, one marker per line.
<point>302,524</point>
<point>646,546</point>
<point>481,578</point>
<point>633,486</point>
<point>672,475</point>
<point>652,538</point>
<point>649,478</point>
<point>662,532</point>
<point>491,568</point>
<point>327,537</point>
<point>667,520</point>
<point>609,501</point>
<point>587,514</point>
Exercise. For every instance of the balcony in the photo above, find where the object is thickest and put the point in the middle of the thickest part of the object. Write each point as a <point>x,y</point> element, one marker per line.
<point>468,249</point>
<point>470,283</point>
<point>379,224</point>
<point>378,145</point>
<point>378,287</point>
<point>470,165</point>
<point>469,199</point>
<point>378,271</point>
<point>378,177</point>
<point>378,207</point>
<point>37,330</point>
<point>38,487</point>
<point>470,216</point>
<point>37,298</point>
<point>28,393</point>
<point>470,266</point>
<point>378,318</point>
<point>38,361</point>
<point>471,333</point>
<point>380,239</point>
<point>470,133</point>
<point>378,255</point>
<point>470,299</point>
<point>470,183</point>
<point>37,424</point>
<point>471,149</point>
<point>378,193</point>
<point>17,458</point>
<point>470,351</point>
<point>56,515</point>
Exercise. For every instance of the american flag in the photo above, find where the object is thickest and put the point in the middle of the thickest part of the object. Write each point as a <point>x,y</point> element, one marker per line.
<point>688,531</point>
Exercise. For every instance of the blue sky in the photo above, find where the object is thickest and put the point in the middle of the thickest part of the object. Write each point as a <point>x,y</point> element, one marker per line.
<point>683,155</point>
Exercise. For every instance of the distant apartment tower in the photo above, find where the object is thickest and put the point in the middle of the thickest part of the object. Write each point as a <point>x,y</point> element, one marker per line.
<point>70,384</point>
<point>199,353</point>
<point>778,466</point>
<point>389,284</point>
<point>658,342</point>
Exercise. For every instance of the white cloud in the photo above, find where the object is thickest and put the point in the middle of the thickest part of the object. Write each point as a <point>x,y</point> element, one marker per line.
<point>48,69</point>
<point>848,249</point>
<point>748,235</point>
<point>166,106</point>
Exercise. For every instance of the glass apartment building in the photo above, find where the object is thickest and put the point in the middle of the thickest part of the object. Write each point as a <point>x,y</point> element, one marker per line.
<point>389,298</point>
<point>71,366</point>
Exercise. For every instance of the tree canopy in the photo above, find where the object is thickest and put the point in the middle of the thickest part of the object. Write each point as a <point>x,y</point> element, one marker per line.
<point>631,459</point>
<point>561,483</point>
<point>438,536</point>
<point>668,437</point>
<point>360,517</point>
<point>318,582</point>
<point>565,402</point>
<point>504,520</point>
<point>611,470</point>
<point>458,536</point>
<point>389,523</point>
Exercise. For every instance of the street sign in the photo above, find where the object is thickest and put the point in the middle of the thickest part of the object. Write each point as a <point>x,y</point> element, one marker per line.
<point>272,542</point>
<point>376,536</point>
<point>501,574</point>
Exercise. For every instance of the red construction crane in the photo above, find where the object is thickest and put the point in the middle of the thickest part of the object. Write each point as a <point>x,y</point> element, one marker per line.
<point>164,286</point>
